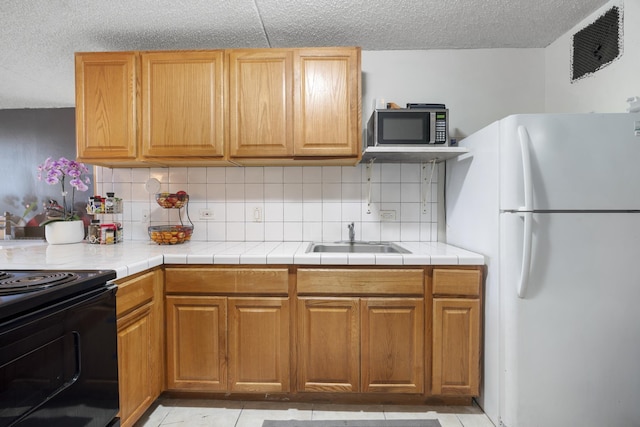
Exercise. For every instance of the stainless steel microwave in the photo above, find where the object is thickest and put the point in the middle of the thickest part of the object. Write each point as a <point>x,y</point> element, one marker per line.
<point>410,127</point>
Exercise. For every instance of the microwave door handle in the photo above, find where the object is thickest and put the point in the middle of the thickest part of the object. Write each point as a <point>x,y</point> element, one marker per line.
<point>432,128</point>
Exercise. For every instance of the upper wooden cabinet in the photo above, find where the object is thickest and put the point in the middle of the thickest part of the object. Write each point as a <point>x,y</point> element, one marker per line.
<point>327,102</point>
<point>182,105</point>
<point>106,107</point>
<point>261,103</point>
<point>291,104</point>
<point>196,108</point>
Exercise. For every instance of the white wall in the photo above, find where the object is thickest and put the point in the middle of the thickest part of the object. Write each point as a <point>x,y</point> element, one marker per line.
<point>478,86</point>
<point>608,88</point>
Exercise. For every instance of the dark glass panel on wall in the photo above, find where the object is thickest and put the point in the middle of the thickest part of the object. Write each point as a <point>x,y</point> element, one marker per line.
<point>27,138</point>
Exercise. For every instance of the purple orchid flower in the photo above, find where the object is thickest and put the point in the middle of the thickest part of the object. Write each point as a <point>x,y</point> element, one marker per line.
<point>55,172</point>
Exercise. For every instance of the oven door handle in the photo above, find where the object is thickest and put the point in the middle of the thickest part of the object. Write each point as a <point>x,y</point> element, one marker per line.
<point>77,367</point>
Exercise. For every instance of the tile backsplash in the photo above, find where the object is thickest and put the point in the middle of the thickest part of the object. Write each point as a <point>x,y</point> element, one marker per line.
<point>394,202</point>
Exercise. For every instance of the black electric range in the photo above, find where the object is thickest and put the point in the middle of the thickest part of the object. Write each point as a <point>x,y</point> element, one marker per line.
<point>58,348</point>
<point>22,291</point>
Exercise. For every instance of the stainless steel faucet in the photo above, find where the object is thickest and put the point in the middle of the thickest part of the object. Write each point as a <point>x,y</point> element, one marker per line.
<point>352,232</point>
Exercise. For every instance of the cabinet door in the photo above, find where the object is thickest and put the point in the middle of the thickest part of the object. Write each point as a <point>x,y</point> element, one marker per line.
<point>261,103</point>
<point>182,104</point>
<point>393,345</point>
<point>327,102</point>
<point>106,107</point>
<point>456,347</point>
<point>135,364</point>
<point>259,345</point>
<point>196,343</point>
<point>328,339</point>
<point>140,311</point>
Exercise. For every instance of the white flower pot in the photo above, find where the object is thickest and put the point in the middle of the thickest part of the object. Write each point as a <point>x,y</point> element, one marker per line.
<point>63,232</point>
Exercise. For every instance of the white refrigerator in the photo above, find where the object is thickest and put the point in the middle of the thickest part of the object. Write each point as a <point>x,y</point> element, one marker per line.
<point>553,201</point>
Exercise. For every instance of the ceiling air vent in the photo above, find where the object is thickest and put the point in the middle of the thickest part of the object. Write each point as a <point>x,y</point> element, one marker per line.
<point>597,45</point>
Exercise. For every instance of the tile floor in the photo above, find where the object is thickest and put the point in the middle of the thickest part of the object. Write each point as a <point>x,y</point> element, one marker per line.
<point>216,413</point>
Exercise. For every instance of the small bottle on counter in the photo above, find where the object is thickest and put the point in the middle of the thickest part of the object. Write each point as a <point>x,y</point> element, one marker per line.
<point>108,234</point>
<point>119,233</point>
<point>93,234</point>
<point>109,203</point>
<point>111,236</point>
<point>117,206</point>
<point>98,207</point>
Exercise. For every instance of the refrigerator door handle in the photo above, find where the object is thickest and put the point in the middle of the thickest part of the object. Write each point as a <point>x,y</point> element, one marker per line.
<point>525,142</point>
<point>527,239</point>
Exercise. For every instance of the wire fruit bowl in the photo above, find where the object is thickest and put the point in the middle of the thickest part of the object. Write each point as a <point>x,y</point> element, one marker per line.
<point>170,234</point>
<point>172,200</point>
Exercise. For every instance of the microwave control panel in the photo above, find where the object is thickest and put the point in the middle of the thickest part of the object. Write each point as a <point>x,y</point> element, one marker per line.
<point>441,127</point>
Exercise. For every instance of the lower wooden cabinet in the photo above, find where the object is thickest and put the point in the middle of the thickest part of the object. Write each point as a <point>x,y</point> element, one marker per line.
<point>227,344</point>
<point>259,345</point>
<point>228,329</point>
<point>456,347</point>
<point>196,343</point>
<point>456,332</point>
<point>414,331</point>
<point>392,345</point>
<point>361,343</point>
<point>134,363</point>
<point>140,344</point>
<point>328,344</point>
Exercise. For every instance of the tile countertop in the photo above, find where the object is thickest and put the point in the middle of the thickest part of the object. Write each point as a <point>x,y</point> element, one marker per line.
<point>132,257</point>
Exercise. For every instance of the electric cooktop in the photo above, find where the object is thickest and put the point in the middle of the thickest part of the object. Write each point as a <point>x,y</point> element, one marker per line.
<point>22,291</point>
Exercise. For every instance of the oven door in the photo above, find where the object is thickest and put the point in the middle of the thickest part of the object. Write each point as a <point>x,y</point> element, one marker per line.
<point>58,366</point>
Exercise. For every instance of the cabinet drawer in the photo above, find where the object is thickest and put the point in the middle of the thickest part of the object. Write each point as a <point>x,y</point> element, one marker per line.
<point>227,280</point>
<point>456,282</point>
<point>314,281</point>
<point>134,293</point>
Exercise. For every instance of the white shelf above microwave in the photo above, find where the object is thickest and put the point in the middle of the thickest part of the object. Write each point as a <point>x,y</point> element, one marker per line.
<point>404,154</point>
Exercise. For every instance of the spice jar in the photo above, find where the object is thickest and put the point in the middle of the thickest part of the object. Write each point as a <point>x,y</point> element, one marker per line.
<point>108,234</point>
<point>109,203</point>
<point>93,234</point>
<point>98,206</point>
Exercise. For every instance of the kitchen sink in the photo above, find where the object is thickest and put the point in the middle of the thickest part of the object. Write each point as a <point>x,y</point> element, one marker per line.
<point>358,247</point>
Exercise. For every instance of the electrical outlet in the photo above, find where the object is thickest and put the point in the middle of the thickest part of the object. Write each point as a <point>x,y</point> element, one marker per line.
<point>206,214</point>
<point>257,214</point>
<point>389,215</point>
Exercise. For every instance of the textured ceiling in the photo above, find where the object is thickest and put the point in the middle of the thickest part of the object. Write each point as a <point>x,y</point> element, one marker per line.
<point>38,37</point>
